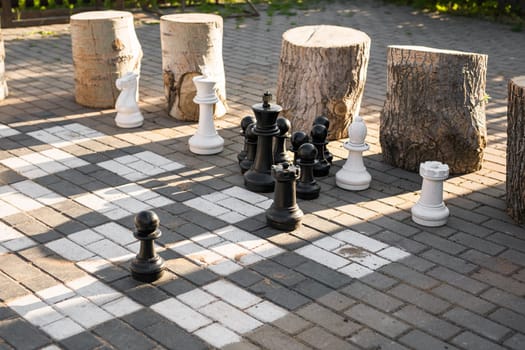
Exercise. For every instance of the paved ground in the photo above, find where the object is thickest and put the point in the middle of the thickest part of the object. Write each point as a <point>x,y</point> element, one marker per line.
<point>68,195</point>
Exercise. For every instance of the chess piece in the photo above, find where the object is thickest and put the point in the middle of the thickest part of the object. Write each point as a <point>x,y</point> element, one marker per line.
<point>284,214</point>
<point>147,265</point>
<point>128,112</point>
<point>259,178</point>
<point>326,123</point>
<point>430,210</point>
<point>244,124</point>
<point>279,150</point>
<point>319,134</point>
<point>206,140</point>
<point>251,148</point>
<point>353,175</point>
<point>298,138</point>
<point>307,187</point>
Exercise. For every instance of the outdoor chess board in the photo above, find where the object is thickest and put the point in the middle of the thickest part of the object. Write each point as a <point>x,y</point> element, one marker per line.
<point>221,308</point>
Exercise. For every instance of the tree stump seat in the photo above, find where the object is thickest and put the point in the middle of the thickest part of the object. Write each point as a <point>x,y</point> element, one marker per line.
<point>105,47</point>
<point>434,108</point>
<point>3,84</point>
<point>322,71</point>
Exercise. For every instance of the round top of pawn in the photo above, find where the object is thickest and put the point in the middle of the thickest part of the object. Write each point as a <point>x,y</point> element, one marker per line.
<point>357,132</point>
<point>307,154</point>
<point>284,125</point>
<point>433,170</point>
<point>298,138</point>
<point>250,135</point>
<point>322,120</point>
<point>146,222</point>
<point>319,133</point>
<point>246,121</point>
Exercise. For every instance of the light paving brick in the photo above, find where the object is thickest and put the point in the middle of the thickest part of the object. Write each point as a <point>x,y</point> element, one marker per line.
<point>266,311</point>
<point>83,311</point>
<point>91,288</point>
<point>182,315</point>
<point>230,317</point>
<point>196,298</point>
<point>232,294</point>
<point>377,320</point>
<point>322,256</point>
<point>217,335</point>
<point>63,328</point>
<point>360,240</point>
<point>69,249</point>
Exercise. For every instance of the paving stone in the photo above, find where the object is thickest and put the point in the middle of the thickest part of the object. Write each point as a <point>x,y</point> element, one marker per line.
<point>420,298</point>
<point>477,323</point>
<point>173,337</point>
<point>493,263</point>
<point>245,277</point>
<point>468,340</point>
<point>323,274</point>
<point>377,320</point>
<point>499,281</point>
<point>271,338</point>
<point>447,260</point>
<point>466,300</point>
<point>427,322</point>
<point>277,272</point>
<point>419,340</point>
<point>291,323</point>
<point>22,334</point>
<point>320,339</point>
<point>190,271</point>
<point>290,259</point>
<point>509,318</point>
<point>122,336</point>
<point>369,339</point>
<point>516,341</point>
<point>81,341</point>
<point>177,286</point>
<point>439,243</point>
<point>143,318</point>
<point>409,276</point>
<point>278,294</point>
<point>477,243</point>
<point>505,299</point>
<point>336,301</point>
<point>371,296</point>
<point>457,280</point>
<point>379,281</point>
<point>311,288</point>
<point>328,319</point>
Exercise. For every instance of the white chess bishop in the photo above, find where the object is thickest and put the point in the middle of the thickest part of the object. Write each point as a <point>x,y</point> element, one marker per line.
<point>353,175</point>
<point>128,112</point>
<point>206,140</point>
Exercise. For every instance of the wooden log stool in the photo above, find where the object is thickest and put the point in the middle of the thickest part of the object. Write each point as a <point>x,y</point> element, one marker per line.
<point>191,46</point>
<point>434,108</point>
<point>322,71</point>
<point>105,47</point>
<point>3,84</point>
<point>515,145</point>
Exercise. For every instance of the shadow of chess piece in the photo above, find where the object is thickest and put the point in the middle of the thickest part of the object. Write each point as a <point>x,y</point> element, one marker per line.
<point>319,134</point>
<point>298,138</point>
<point>279,150</point>
<point>244,124</point>
<point>284,214</point>
<point>307,187</point>
<point>322,120</point>
<point>147,265</point>
<point>251,148</point>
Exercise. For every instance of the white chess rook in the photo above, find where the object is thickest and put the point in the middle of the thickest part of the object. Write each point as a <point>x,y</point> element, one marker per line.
<point>353,175</point>
<point>206,140</point>
<point>430,210</point>
<point>128,112</point>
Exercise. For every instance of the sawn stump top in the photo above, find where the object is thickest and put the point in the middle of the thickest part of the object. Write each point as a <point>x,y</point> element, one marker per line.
<point>325,36</point>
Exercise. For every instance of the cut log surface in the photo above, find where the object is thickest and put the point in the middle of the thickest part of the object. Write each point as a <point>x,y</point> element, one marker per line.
<point>434,108</point>
<point>3,84</point>
<point>322,71</point>
<point>191,46</point>
<point>516,149</point>
<point>105,47</point>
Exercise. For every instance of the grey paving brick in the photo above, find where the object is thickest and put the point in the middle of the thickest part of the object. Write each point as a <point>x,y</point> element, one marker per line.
<point>514,256</point>
<point>507,228</point>
<point>6,312</point>
<point>465,226</point>
<point>377,320</point>
<point>493,263</point>
<point>323,274</point>
<point>286,241</point>
<point>477,324</point>
<point>245,277</point>
<point>81,341</point>
<point>290,259</point>
<point>447,260</point>
<point>416,263</point>
<point>477,243</point>
<point>369,339</point>
<point>371,296</point>
<point>466,300</point>
<point>336,301</point>
<point>122,336</point>
<point>271,338</point>
<point>143,318</point>
<point>420,298</point>
<point>177,286</point>
<point>503,298</point>
<point>328,319</point>
<point>427,322</point>
<point>173,337</point>
<point>439,243</point>
<point>408,275</point>
<point>471,341</point>
<point>243,345</point>
<point>499,281</point>
<point>292,324</point>
<point>509,318</point>
<point>190,271</point>
<point>320,339</point>
<point>422,341</point>
<point>22,335</point>
<point>516,341</point>
<point>277,272</point>
<point>146,294</point>
<point>278,294</point>
<point>311,288</point>
<point>379,280</point>
<point>457,280</point>
<point>401,242</point>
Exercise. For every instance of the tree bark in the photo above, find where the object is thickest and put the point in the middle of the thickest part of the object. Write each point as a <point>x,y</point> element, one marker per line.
<point>191,46</point>
<point>434,108</point>
<point>105,47</point>
<point>3,84</point>
<point>516,149</point>
<point>322,71</point>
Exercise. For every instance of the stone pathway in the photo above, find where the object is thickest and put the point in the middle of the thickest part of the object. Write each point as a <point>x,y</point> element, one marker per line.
<point>71,183</point>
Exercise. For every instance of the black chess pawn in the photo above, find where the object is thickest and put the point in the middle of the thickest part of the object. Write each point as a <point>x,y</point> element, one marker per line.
<point>244,124</point>
<point>279,149</point>
<point>319,134</point>
<point>147,265</point>
<point>251,148</point>
<point>307,187</point>
<point>284,214</point>
<point>326,123</point>
<point>298,138</point>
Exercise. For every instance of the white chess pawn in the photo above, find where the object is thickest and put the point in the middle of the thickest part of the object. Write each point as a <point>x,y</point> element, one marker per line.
<point>430,209</point>
<point>353,175</point>
<point>206,140</point>
<point>128,112</point>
